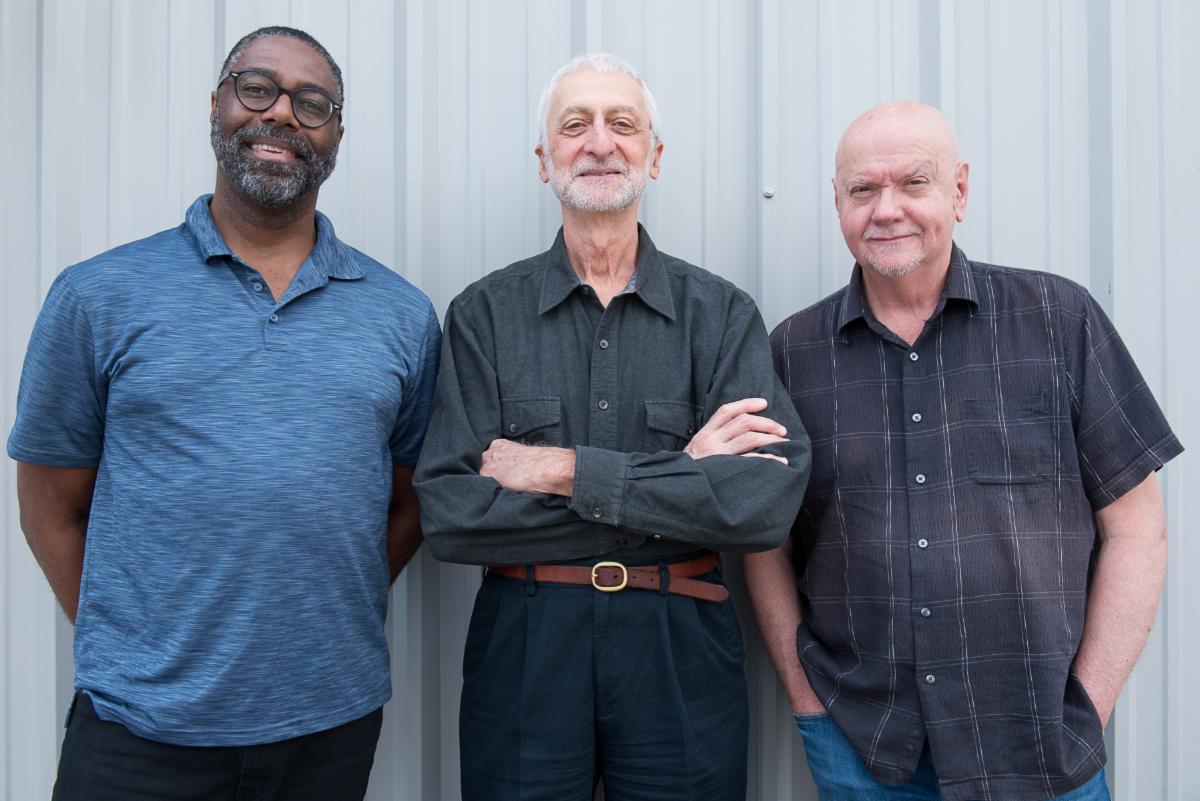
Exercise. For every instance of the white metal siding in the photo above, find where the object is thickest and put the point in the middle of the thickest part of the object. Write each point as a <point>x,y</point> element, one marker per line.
<point>1079,119</point>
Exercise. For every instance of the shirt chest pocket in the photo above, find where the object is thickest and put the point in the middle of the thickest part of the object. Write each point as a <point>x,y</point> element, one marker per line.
<point>669,425</point>
<point>1011,443</point>
<point>532,421</point>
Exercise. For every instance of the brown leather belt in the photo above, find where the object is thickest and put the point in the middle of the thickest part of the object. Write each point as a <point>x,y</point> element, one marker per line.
<point>614,576</point>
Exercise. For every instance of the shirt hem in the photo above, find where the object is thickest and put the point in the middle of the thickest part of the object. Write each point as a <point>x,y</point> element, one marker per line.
<point>240,737</point>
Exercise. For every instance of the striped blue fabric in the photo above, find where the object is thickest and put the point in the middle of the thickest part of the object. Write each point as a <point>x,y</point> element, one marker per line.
<point>235,578</point>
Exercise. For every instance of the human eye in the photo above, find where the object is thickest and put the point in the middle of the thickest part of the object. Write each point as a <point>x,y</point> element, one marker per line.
<point>573,127</point>
<point>623,125</point>
<point>316,105</point>
<point>253,85</point>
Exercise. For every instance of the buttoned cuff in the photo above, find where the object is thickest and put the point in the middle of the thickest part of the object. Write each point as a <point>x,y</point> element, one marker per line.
<point>599,487</point>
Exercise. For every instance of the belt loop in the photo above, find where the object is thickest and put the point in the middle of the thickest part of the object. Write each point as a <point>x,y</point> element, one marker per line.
<point>664,576</point>
<point>530,584</point>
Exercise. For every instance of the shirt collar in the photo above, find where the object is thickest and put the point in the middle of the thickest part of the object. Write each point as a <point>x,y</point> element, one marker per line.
<point>652,286</point>
<point>330,257</point>
<point>960,285</point>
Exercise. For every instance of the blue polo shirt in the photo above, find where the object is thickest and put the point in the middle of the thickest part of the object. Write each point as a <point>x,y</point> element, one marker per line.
<point>235,577</point>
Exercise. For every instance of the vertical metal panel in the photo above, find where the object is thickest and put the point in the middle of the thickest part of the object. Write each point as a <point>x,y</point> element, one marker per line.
<point>1179,390</point>
<point>1078,118</point>
<point>28,691</point>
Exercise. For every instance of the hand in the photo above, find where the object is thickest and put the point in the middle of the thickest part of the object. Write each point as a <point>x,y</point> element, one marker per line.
<point>528,468</point>
<point>736,431</point>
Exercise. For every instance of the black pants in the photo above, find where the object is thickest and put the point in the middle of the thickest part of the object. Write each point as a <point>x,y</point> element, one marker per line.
<point>103,761</point>
<point>564,685</point>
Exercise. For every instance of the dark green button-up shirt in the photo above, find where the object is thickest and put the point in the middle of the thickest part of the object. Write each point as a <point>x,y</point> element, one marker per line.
<point>529,354</point>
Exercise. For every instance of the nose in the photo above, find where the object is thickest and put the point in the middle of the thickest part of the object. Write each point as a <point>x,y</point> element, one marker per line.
<point>887,205</point>
<point>600,142</point>
<point>280,112</point>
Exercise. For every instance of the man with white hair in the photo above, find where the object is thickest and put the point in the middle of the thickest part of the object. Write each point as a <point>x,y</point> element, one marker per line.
<point>592,419</point>
<point>982,547</point>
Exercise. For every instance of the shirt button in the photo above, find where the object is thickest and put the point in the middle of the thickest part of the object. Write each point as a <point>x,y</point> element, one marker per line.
<point>274,318</point>
<point>622,542</point>
<point>512,428</point>
<point>257,287</point>
<point>603,405</point>
<point>920,478</point>
<point>604,344</point>
<point>930,678</point>
<point>913,356</point>
<point>922,543</point>
<point>916,418</point>
<point>925,611</point>
<point>596,513</point>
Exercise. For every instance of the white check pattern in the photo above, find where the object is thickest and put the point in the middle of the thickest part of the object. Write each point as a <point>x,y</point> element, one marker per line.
<point>948,528</point>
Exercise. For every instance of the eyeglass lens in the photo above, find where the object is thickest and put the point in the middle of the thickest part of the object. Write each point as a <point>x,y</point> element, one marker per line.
<point>258,92</point>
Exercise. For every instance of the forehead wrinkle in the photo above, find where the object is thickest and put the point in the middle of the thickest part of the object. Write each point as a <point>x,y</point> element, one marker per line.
<point>290,61</point>
<point>897,126</point>
<point>270,73</point>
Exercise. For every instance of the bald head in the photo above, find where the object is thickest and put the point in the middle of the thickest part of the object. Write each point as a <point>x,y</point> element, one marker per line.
<point>899,188</point>
<point>901,122</point>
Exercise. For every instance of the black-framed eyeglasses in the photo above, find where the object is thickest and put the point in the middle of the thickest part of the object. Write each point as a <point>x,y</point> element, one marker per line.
<point>258,91</point>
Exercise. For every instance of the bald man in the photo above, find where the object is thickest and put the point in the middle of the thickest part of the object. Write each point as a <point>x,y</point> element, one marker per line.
<point>981,546</point>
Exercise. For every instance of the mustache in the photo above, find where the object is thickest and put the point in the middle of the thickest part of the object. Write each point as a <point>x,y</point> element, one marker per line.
<point>613,163</point>
<point>302,148</point>
<point>888,233</point>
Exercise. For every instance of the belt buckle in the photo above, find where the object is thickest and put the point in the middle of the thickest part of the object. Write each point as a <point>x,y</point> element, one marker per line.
<point>615,587</point>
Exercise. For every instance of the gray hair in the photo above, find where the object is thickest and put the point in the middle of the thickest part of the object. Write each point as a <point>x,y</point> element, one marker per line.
<point>600,62</point>
<point>291,33</point>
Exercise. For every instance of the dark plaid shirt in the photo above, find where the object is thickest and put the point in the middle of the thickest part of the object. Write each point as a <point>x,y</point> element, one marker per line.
<point>529,354</point>
<point>947,532</point>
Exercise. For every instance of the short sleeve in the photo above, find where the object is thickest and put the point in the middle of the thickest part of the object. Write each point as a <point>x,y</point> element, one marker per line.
<point>1120,431</point>
<point>413,419</point>
<point>62,395</point>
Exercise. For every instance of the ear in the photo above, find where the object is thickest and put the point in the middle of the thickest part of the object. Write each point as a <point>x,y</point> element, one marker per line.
<point>962,187</point>
<point>656,162</point>
<point>540,152</point>
<point>212,104</point>
<point>341,133</point>
<point>837,199</point>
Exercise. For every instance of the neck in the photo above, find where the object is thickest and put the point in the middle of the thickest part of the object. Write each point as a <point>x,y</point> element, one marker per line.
<point>904,303</point>
<point>260,234</point>
<point>602,247</point>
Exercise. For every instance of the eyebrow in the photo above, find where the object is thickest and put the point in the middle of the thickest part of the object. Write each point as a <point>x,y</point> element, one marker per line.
<point>587,111</point>
<point>924,167</point>
<point>270,73</point>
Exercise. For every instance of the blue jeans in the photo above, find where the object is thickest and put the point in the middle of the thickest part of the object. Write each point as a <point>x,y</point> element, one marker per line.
<point>841,776</point>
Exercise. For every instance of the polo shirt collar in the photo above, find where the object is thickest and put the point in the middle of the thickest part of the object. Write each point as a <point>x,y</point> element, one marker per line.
<point>560,279</point>
<point>960,285</point>
<point>330,257</point>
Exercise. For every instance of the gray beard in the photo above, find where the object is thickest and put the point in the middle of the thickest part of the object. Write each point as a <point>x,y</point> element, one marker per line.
<point>572,195</point>
<point>268,183</point>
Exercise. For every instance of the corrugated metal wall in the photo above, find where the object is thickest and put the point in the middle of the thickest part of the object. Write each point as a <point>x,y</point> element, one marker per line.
<point>1079,119</point>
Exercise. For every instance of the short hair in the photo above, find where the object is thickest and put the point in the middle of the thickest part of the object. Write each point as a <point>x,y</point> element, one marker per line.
<point>600,62</point>
<point>294,33</point>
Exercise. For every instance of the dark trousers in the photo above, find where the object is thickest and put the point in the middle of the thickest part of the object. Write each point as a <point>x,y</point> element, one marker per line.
<point>103,761</point>
<point>564,685</point>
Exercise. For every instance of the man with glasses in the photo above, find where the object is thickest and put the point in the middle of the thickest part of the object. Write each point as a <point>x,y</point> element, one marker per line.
<point>229,412</point>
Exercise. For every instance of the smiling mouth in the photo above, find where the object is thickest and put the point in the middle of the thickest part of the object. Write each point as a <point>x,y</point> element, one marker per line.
<point>268,151</point>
